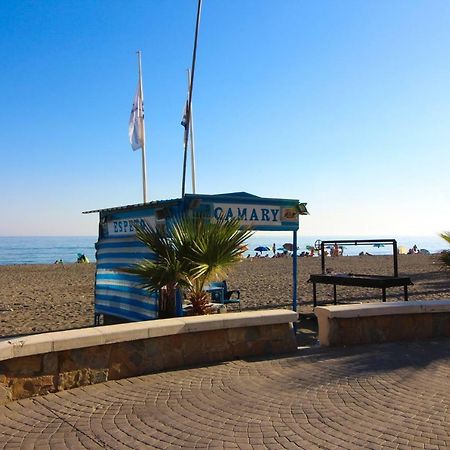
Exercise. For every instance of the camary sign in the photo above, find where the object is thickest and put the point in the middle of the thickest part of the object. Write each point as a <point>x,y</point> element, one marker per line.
<point>256,214</point>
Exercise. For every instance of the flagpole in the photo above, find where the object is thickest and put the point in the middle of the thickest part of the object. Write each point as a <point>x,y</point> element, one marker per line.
<point>189,105</point>
<point>144,169</point>
<point>191,131</point>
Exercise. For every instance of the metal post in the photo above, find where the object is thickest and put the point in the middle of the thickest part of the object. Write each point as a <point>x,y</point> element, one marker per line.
<point>179,303</point>
<point>394,249</point>
<point>188,110</point>
<point>322,250</point>
<point>294,272</point>
<point>144,168</point>
<point>192,140</point>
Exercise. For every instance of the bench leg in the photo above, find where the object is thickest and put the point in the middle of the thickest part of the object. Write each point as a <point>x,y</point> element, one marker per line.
<point>334,294</point>
<point>384,294</point>
<point>314,295</point>
<point>405,287</point>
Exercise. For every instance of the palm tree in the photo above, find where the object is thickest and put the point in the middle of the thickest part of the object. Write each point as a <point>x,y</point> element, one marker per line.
<point>189,253</point>
<point>445,255</point>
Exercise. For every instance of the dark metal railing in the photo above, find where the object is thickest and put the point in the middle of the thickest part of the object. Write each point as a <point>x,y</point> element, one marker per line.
<point>338,242</point>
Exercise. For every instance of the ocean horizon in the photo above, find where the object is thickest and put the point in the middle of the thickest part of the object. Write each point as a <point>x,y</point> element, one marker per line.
<point>48,249</point>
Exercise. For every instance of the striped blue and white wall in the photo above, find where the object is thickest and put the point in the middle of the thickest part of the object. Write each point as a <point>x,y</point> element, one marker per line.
<point>119,294</point>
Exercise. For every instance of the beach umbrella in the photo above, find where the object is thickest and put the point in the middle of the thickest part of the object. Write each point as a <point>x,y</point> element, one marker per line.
<point>288,246</point>
<point>261,248</point>
<point>378,245</point>
<point>281,249</point>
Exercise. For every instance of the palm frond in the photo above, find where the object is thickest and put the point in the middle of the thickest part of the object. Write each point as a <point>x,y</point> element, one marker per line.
<point>446,236</point>
<point>445,255</point>
<point>190,251</point>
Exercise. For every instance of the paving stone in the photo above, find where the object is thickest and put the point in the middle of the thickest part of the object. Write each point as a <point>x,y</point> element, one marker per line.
<point>382,396</point>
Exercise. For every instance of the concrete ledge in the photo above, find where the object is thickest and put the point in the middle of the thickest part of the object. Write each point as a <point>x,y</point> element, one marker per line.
<point>370,323</point>
<point>88,337</point>
<point>51,362</point>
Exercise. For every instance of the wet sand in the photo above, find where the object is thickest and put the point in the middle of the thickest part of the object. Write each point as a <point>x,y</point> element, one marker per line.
<point>37,298</point>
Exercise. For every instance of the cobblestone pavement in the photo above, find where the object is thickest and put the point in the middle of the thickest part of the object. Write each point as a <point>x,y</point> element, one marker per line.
<point>379,396</point>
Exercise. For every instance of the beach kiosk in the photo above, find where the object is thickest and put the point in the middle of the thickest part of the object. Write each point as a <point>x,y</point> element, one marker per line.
<point>118,295</point>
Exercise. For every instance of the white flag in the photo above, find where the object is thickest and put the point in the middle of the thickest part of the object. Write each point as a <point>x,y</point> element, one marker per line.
<point>136,125</point>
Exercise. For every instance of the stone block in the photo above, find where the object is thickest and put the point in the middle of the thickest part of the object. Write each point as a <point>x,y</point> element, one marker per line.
<point>287,345</point>
<point>81,377</point>
<point>280,331</point>
<point>24,366</point>
<point>215,356</point>
<point>195,348</point>
<point>5,394</point>
<point>172,357</point>
<point>24,387</point>
<point>240,349</point>
<point>236,335</point>
<point>5,391</point>
<point>259,347</point>
<point>50,363</point>
<point>441,325</point>
<point>217,340</point>
<point>127,359</point>
<point>91,357</point>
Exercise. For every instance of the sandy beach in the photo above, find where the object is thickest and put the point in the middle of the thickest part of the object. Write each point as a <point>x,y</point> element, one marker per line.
<point>37,298</point>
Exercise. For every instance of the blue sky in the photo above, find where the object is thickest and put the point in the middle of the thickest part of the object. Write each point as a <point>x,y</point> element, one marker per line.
<point>343,105</point>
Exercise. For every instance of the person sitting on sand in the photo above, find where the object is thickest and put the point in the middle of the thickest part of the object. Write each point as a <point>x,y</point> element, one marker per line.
<point>82,259</point>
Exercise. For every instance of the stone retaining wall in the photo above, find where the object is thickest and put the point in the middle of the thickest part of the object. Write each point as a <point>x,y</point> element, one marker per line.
<point>51,362</point>
<point>373,323</point>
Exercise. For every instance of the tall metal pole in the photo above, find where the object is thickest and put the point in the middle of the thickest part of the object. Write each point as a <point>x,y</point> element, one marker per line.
<point>144,169</point>
<point>294,271</point>
<point>189,105</point>
<point>192,140</point>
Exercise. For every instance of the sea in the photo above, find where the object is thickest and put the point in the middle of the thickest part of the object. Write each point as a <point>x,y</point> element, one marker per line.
<point>49,249</point>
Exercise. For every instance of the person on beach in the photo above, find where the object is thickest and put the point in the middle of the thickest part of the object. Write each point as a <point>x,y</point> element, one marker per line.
<point>83,259</point>
<point>335,251</point>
